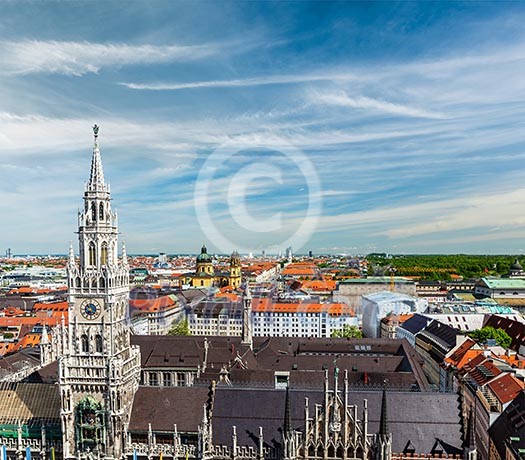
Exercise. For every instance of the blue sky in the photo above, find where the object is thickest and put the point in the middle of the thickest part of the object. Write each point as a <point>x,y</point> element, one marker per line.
<point>406,121</point>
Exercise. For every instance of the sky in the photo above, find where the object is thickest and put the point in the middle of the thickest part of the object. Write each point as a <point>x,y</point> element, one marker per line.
<point>336,127</point>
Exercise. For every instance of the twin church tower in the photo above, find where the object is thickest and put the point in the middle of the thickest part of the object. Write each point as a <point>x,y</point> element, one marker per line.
<point>99,371</point>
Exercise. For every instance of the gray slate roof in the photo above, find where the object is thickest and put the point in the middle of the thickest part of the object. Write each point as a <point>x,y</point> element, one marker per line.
<point>416,418</point>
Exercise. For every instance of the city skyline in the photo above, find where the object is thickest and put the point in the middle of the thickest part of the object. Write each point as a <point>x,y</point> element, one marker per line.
<point>409,113</point>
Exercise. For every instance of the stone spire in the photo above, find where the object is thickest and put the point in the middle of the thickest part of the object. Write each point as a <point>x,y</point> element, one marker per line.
<point>247,338</point>
<point>124,254</point>
<point>96,178</point>
<point>288,434</point>
<point>383,444</point>
<point>45,338</point>
<point>469,444</point>
<point>383,423</point>
<point>287,428</point>
<point>71,256</point>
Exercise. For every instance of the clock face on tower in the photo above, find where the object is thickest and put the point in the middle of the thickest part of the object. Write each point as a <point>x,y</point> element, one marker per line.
<point>90,309</point>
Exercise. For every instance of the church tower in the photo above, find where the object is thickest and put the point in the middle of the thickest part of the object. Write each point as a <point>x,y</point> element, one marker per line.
<point>235,270</point>
<point>99,370</point>
<point>204,262</point>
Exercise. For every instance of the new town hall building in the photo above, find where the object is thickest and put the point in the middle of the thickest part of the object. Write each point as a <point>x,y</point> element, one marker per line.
<point>104,393</point>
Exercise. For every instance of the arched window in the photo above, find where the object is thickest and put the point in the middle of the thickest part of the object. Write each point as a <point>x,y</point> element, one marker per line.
<point>101,211</point>
<point>85,343</point>
<point>78,282</point>
<point>104,253</point>
<point>92,254</point>
<point>98,343</point>
<point>102,282</point>
<point>93,212</point>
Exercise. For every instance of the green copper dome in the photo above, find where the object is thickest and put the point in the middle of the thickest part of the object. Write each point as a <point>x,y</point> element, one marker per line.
<point>204,256</point>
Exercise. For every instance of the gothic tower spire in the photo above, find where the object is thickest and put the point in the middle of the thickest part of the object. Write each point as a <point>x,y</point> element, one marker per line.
<point>383,424</point>
<point>469,444</point>
<point>100,369</point>
<point>247,336</point>
<point>383,444</point>
<point>288,433</point>
<point>287,413</point>
<point>96,178</point>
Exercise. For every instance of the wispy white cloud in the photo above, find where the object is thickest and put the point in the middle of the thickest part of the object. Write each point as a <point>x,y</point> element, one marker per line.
<point>342,99</point>
<point>257,81</point>
<point>79,58</point>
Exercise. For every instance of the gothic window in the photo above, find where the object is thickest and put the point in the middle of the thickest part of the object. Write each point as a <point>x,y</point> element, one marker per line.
<point>102,282</point>
<point>98,343</point>
<point>101,212</point>
<point>85,343</point>
<point>78,282</point>
<point>93,212</point>
<point>92,254</point>
<point>104,253</point>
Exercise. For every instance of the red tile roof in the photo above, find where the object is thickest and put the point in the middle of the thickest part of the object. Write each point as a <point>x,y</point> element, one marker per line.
<point>506,387</point>
<point>333,309</point>
<point>152,305</point>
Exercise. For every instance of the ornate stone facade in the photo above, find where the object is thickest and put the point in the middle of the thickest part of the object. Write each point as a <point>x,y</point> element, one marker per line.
<point>99,370</point>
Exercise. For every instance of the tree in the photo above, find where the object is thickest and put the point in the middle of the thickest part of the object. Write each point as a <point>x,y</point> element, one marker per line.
<point>499,335</point>
<point>352,332</point>
<point>180,327</point>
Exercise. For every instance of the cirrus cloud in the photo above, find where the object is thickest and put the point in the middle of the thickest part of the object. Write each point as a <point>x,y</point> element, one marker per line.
<point>78,58</point>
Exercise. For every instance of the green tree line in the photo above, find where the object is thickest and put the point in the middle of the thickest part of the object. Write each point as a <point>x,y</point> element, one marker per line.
<point>441,267</point>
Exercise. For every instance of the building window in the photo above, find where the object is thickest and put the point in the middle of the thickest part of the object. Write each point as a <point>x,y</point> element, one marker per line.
<point>104,253</point>
<point>153,379</point>
<point>166,377</point>
<point>85,343</point>
<point>98,343</point>
<point>92,254</point>
<point>181,379</point>
<point>101,211</point>
<point>93,212</point>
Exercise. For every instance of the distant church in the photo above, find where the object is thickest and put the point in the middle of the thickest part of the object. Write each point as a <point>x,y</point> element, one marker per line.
<point>103,393</point>
<point>205,275</point>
